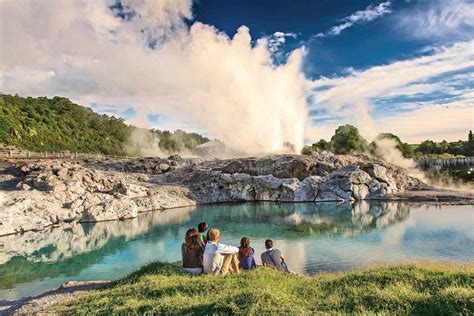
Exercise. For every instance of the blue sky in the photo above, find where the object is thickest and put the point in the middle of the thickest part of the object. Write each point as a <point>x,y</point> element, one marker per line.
<point>360,46</point>
<point>365,44</point>
<point>248,71</point>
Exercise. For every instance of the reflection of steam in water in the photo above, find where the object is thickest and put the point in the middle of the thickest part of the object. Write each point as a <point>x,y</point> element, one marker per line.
<point>74,238</point>
<point>347,219</point>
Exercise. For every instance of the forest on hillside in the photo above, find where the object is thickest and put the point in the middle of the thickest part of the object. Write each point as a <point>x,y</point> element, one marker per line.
<point>56,124</point>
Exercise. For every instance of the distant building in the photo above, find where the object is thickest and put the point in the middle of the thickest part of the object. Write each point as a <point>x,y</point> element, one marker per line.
<point>213,148</point>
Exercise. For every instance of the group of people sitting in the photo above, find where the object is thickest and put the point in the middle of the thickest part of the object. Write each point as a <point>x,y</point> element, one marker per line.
<point>203,252</point>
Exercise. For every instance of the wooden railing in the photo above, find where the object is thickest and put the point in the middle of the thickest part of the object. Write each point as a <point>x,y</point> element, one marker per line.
<point>448,163</point>
<point>25,154</point>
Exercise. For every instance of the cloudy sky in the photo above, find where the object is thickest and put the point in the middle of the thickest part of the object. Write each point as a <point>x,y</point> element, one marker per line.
<point>255,74</point>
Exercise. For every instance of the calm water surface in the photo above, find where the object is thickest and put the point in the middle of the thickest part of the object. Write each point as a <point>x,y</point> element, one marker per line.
<point>313,237</point>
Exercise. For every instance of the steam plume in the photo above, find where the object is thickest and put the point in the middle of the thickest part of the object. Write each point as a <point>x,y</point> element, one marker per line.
<point>142,54</point>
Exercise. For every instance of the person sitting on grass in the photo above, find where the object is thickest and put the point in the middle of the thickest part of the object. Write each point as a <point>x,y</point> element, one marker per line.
<point>192,253</point>
<point>219,258</point>
<point>203,230</point>
<point>272,257</point>
<point>246,259</point>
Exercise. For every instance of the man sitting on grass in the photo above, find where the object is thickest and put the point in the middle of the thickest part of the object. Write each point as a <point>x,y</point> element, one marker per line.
<point>219,258</point>
<point>272,257</point>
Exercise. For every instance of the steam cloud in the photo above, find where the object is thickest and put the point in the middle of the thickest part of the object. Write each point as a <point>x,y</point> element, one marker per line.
<point>387,150</point>
<point>141,53</point>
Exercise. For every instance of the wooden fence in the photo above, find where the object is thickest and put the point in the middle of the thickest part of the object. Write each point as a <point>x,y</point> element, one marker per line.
<point>448,163</point>
<point>25,154</point>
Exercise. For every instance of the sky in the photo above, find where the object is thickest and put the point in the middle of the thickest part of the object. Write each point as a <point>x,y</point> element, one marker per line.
<point>255,74</point>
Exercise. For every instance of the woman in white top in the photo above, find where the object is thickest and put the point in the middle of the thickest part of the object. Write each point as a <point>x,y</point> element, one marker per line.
<point>218,258</point>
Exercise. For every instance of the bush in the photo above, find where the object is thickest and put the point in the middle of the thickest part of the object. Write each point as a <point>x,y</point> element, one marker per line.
<point>347,140</point>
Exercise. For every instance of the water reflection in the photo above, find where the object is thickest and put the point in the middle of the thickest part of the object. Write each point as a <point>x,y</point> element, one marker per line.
<point>315,237</point>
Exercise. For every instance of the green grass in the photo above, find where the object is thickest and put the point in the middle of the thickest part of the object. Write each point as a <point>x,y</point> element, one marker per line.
<point>158,288</point>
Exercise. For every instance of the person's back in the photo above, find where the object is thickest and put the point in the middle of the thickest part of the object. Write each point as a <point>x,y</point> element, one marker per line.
<point>246,253</point>
<point>219,257</point>
<point>271,257</point>
<point>192,257</point>
<point>192,253</point>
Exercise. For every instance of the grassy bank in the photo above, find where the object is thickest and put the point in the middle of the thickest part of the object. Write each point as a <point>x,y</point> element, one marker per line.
<point>414,289</point>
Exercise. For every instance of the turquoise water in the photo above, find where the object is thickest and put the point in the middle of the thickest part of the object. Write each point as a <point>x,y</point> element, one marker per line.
<point>313,237</point>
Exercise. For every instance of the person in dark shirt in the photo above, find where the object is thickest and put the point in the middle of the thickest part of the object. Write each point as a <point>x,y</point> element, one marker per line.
<point>272,257</point>
<point>246,259</point>
<point>203,229</point>
<point>192,252</point>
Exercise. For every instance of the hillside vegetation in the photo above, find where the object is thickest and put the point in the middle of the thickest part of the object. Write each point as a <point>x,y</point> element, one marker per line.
<point>54,124</point>
<point>348,140</point>
<point>431,289</point>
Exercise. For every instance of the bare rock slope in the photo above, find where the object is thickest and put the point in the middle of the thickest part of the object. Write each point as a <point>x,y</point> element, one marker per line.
<point>292,178</point>
<point>51,192</point>
<point>34,196</point>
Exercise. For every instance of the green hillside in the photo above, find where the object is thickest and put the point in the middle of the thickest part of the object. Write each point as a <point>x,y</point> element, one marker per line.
<point>54,124</point>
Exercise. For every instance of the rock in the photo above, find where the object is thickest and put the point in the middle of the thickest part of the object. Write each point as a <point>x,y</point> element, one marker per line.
<point>164,167</point>
<point>38,195</point>
<point>164,197</point>
<point>50,193</point>
<point>322,177</point>
<point>29,210</point>
<point>110,209</point>
<point>23,186</point>
<point>131,190</point>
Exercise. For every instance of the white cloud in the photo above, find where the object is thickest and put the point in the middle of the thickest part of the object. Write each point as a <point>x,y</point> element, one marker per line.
<point>369,14</point>
<point>450,122</point>
<point>352,96</point>
<point>446,19</point>
<point>226,86</point>
<point>277,39</point>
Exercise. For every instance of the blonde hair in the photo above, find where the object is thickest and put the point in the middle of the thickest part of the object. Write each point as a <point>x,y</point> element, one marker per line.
<point>214,234</point>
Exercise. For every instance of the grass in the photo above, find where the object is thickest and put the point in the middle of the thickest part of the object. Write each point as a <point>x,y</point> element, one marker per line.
<point>159,288</point>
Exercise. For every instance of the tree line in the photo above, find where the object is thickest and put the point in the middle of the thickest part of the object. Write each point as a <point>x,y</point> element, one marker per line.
<point>57,124</point>
<point>348,140</point>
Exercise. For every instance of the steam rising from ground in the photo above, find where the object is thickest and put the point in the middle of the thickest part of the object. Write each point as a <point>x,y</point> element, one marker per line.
<point>387,150</point>
<point>142,54</point>
<point>143,142</point>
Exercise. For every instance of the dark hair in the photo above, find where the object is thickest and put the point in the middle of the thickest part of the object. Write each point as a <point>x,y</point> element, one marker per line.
<point>202,227</point>
<point>244,249</point>
<point>268,243</point>
<point>191,239</point>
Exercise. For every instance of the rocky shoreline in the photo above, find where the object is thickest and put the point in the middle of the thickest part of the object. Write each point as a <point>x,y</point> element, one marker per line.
<point>46,302</point>
<point>35,195</point>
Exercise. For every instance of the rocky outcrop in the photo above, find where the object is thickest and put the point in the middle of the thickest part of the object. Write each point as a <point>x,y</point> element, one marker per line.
<point>292,178</point>
<point>37,195</point>
<point>149,165</point>
<point>50,193</point>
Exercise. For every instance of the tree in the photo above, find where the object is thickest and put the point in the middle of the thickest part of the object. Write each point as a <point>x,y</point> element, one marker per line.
<point>469,138</point>
<point>347,140</point>
<point>321,145</point>
<point>429,147</point>
<point>5,127</point>
<point>307,150</point>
